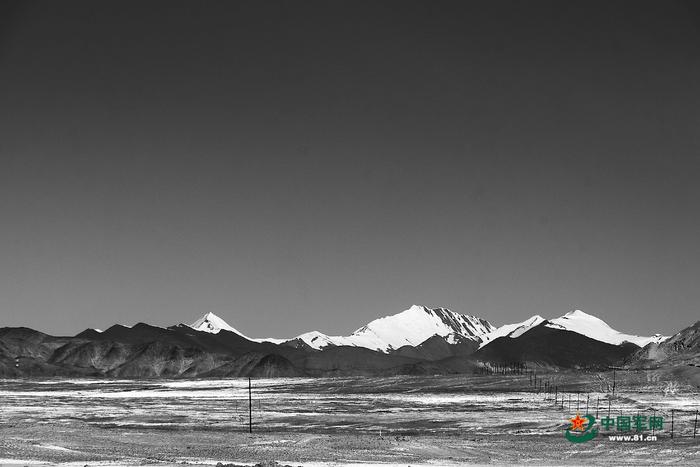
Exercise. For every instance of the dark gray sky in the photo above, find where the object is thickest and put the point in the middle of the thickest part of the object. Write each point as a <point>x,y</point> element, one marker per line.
<point>293,166</point>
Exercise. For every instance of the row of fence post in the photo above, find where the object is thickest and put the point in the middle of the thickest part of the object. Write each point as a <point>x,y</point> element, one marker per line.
<point>545,386</point>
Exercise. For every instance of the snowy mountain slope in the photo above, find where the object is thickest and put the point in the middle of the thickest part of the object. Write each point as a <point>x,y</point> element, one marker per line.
<point>681,348</point>
<point>595,328</point>
<point>317,340</point>
<point>410,327</point>
<point>419,323</point>
<point>213,324</point>
<point>511,330</point>
<point>271,340</point>
<point>553,346</point>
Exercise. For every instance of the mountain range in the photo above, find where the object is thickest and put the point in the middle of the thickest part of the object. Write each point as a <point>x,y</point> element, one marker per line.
<point>419,340</point>
<point>411,327</point>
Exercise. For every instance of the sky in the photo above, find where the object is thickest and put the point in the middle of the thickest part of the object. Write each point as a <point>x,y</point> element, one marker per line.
<point>296,166</point>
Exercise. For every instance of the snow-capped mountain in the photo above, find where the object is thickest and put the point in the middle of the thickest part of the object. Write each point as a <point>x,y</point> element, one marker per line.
<point>318,340</point>
<point>511,330</point>
<point>595,328</point>
<point>410,327</point>
<point>683,348</point>
<point>415,341</point>
<point>414,326</point>
<point>212,324</point>
<point>576,321</point>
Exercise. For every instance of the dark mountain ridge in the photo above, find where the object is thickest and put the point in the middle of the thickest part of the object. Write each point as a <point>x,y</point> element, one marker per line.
<point>547,346</point>
<point>146,351</point>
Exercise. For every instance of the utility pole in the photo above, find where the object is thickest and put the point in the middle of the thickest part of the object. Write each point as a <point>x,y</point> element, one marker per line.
<point>250,406</point>
<point>695,427</point>
<point>671,423</point>
<point>613,391</point>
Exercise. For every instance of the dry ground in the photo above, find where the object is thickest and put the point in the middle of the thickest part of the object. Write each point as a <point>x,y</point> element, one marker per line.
<point>433,421</point>
<point>85,445</point>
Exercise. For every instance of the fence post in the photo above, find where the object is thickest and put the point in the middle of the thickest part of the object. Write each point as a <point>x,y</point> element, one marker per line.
<point>671,423</point>
<point>695,427</point>
<point>613,388</point>
<point>250,406</point>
